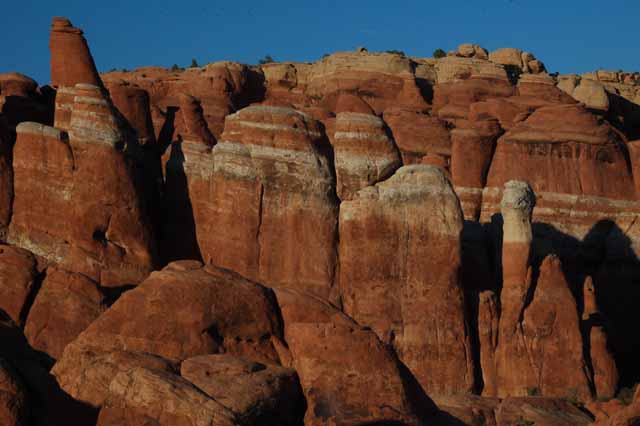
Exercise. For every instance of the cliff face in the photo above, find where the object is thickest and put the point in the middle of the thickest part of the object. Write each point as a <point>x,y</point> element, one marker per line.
<point>367,239</point>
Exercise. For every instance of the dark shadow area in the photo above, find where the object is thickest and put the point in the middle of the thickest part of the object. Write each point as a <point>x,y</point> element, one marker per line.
<point>422,405</point>
<point>624,115</point>
<point>112,294</point>
<point>254,91</point>
<point>179,240</point>
<point>605,253</point>
<point>49,405</point>
<point>426,89</point>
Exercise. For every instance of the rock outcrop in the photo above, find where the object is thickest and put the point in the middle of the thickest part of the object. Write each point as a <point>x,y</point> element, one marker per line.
<point>370,238</point>
<point>180,312</point>
<point>415,307</point>
<point>334,357</point>
<point>256,393</point>
<point>65,305</point>
<point>269,172</point>
<point>76,202</point>
<point>363,151</point>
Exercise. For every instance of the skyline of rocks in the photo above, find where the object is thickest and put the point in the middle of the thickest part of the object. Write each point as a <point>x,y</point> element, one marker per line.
<point>366,239</point>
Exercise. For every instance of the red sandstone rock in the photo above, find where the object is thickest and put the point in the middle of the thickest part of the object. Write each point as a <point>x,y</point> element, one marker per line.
<point>417,134</point>
<point>539,333</point>
<point>540,411</point>
<point>133,103</point>
<point>564,149</point>
<point>149,397</point>
<point>451,100</point>
<point>334,358</point>
<point>472,146</point>
<point>180,312</point>
<point>85,373</point>
<point>76,199</point>
<point>195,127</point>
<point>256,393</point>
<point>65,305</point>
<point>363,152</point>
<point>71,64</point>
<point>415,306</point>
<point>605,372</point>
<point>71,60</point>
<point>18,276</point>
<point>269,172</point>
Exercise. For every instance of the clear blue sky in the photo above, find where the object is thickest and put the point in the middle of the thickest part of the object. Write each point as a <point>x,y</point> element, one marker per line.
<point>568,35</point>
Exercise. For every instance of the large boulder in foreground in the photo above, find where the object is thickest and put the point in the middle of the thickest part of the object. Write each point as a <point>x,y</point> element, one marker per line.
<point>399,274</point>
<point>148,397</point>
<point>260,394</point>
<point>347,374</point>
<point>177,313</point>
<point>65,305</point>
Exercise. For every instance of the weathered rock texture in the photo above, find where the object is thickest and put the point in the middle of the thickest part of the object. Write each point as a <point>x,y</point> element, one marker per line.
<point>64,306</point>
<point>18,276</point>
<point>268,172</point>
<point>338,385</point>
<point>382,196</point>
<point>364,154</point>
<point>180,312</point>
<point>76,202</point>
<point>417,307</point>
<point>255,392</point>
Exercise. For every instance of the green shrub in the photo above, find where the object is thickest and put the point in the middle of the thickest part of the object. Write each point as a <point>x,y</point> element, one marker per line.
<point>439,53</point>
<point>194,64</point>
<point>533,391</point>
<point>625,395</point>
<point>266,60</point>
<point>396,52</point>
<point>175,68</point>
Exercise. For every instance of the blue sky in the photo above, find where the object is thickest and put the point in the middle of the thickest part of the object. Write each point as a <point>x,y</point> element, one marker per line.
<point>568,35</point>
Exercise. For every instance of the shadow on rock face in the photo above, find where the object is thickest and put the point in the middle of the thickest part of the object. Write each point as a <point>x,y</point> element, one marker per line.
<point>605,253</point>
<point>49,405</point>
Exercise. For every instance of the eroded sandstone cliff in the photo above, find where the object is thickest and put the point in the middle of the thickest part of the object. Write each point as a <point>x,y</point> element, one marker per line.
<point>366,239</point>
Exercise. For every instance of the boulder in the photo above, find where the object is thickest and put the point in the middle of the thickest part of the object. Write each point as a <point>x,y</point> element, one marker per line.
<point>66,304</point>
<point>415,307</point>
<point>226,314</point>
<point>18,281</point>
<point>143,396</point>
<point>256,393</point>
<point>592,94</point>
<point>468,50</point>
<point>334,358</point>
